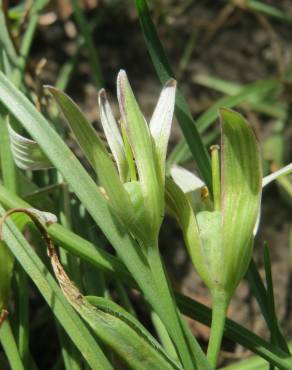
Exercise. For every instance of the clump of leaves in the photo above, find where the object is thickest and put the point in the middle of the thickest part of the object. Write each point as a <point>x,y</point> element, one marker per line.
<point>128,204</point>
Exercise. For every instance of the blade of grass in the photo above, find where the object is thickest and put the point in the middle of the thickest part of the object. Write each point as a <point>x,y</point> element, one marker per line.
<point>181,153</point>
<point>53,295</point>
<point>260,292</point>
<point>10,179</point>
<point>27,40</point>
<point>101,162</point>
<point>164,73</point>
<point>62,200</point>
<point>8,169</point>
<point>163,335</point>
<point>94,151</point>
<point>251,363</point>
<point>9,345</point>
<point>250,91</point>
<point>257,103</point>
<point>67,69</point>
<point>113,266</point>
<point>84,187</point>
<point>270,295</point>
<point>91,48</point>
<point>5,40</point>
<point>73,243</point>
<point>236,333</point>
<point>269,10</point>
<point>125,321</point>
<point>23,315</point>
<point>277,337</point>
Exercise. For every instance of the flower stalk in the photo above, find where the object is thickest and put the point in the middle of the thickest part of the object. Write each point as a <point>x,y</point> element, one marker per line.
<point>219,234</point>
<point>134,186</point>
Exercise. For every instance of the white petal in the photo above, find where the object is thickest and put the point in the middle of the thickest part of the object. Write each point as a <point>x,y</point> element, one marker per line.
<point>273,176</point>
<point>161,120</point>
<point>112,133</point>
<point>185,179</point>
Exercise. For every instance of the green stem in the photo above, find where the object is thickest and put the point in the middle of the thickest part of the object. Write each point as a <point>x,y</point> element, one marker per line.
<point>171,318</point>
<point>220,304</point>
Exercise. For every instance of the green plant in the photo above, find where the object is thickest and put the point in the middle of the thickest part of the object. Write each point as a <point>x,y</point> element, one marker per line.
<point>126,193</point>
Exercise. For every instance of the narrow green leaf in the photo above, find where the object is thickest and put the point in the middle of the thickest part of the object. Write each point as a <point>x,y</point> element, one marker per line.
<point>70,241</point>
<point>257,102</point>
<point>118,313</point>
<point>259,291</point>
<point>100,160</point>
<point>270,298</point>
<point>5,40</point>
<point>8,169</point>
<point>189,307</point>
<point>269,10</point>
<point>7,263</point>
<point>54,297</point>
<point>9,178</point>
<point>93,58</point>
<point>164,73</point>
<point>250,91</point>
<point>251,363</point>
<point>277,337</point>
<point>84,187</point>
<point>163,335</point>
<point>114,327</point>
<point>9,345</point>
<point>27,40</point>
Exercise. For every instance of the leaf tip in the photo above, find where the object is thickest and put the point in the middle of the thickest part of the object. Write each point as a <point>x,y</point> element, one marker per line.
<point>50,88</point>
<point>122,78</point>
<point>171,83</point>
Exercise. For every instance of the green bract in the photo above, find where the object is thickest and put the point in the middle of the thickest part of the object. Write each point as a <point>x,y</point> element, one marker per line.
<point>220,236</point>
<point>135,189</point>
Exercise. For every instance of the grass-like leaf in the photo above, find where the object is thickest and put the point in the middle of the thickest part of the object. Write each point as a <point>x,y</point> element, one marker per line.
<point>93,58</point>
<point>250,91</point>
<point>259,291</point>
<point>164,73</point>
<point>87,191</point>
<point>47,286</point>
<point>10,347</point>
<point>113,266</point>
